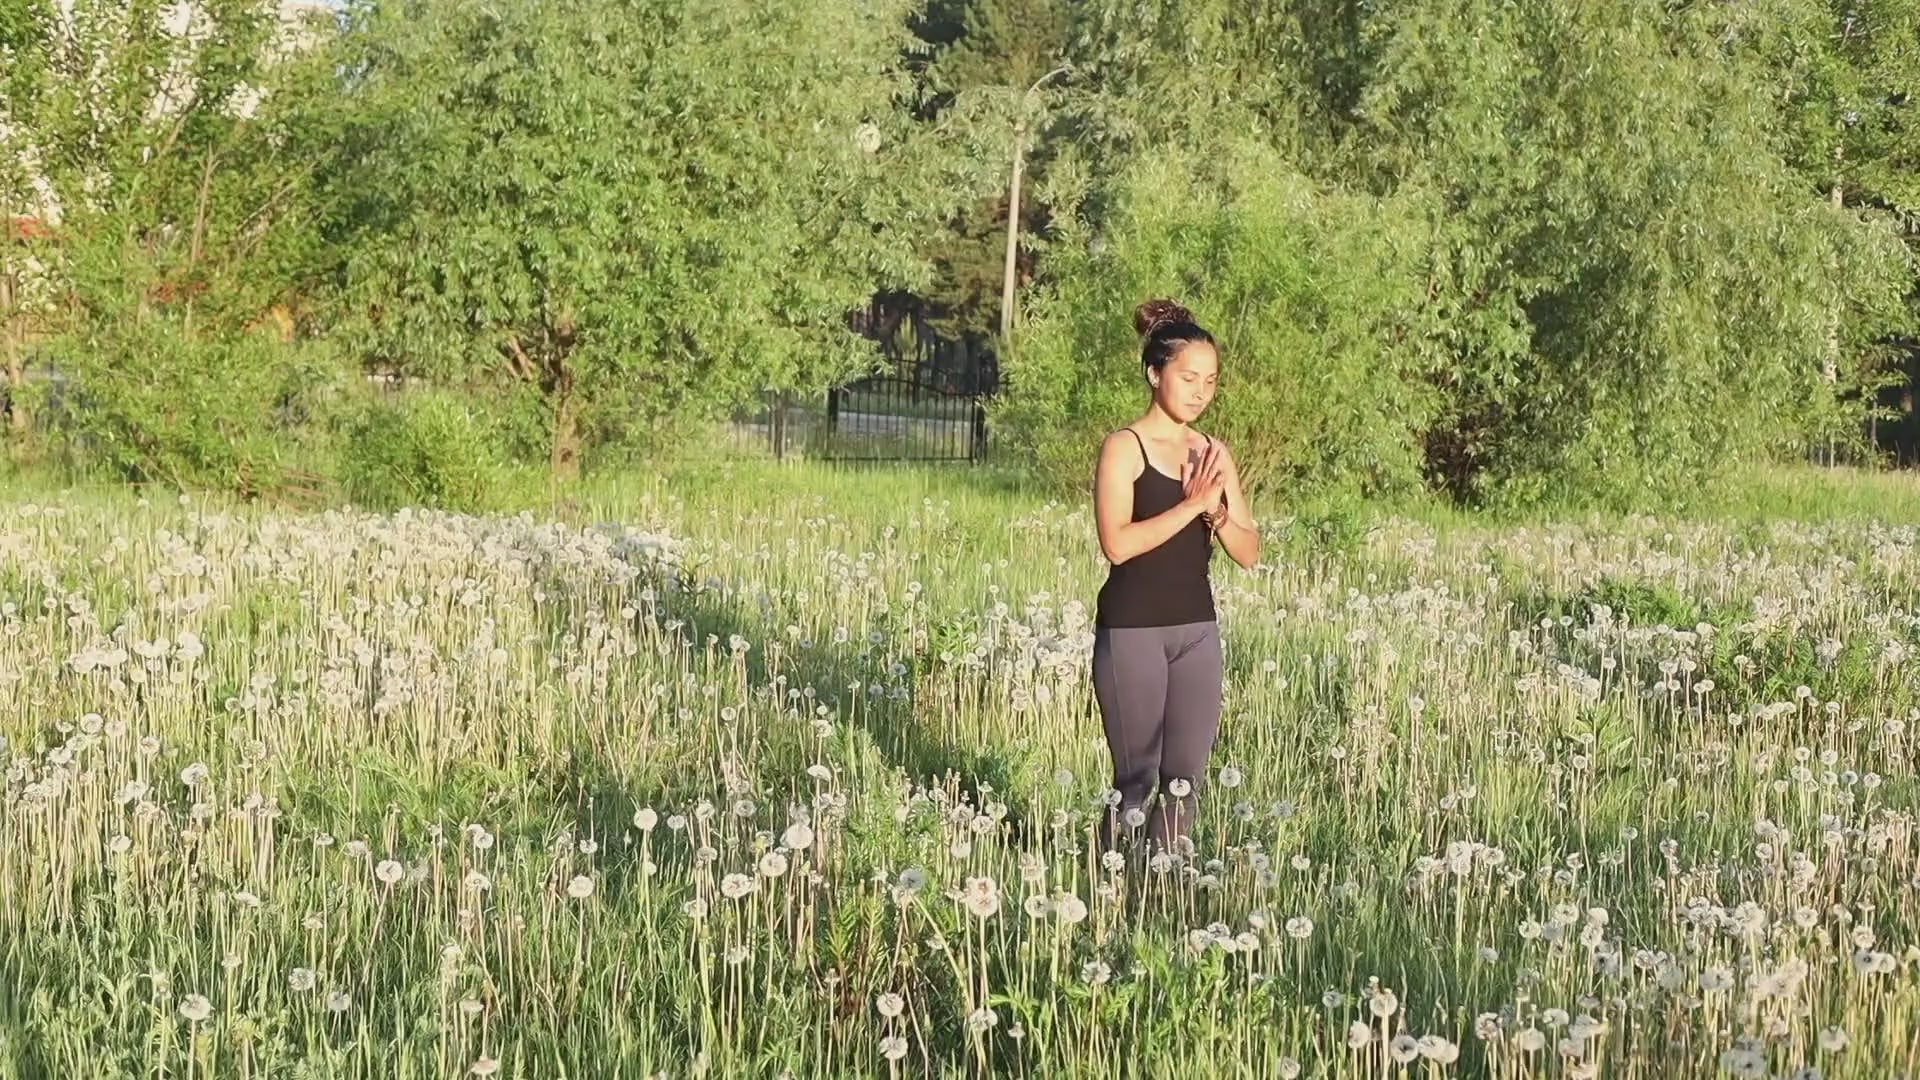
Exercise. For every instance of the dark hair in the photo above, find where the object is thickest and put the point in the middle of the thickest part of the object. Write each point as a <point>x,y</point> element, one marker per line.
<point>1165,328</point>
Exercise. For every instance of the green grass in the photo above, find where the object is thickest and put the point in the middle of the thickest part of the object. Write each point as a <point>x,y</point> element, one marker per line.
<point>414,801</point>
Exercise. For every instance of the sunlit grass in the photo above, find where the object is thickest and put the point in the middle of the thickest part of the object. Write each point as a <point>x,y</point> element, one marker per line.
<point>756,768</point>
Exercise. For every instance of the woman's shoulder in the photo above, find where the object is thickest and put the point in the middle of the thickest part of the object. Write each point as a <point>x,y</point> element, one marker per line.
<point>1200,440</point>
<point>1123,449</point>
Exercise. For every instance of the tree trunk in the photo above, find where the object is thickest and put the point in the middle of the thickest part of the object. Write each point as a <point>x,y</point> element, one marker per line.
<point>1013,231</point>
<point>1832,365</point>
<point>556,382</point>
<point>564,461</point>
<point>1832,370</point>
<point>546,367</point>
<point>19,421</point>
<point>13,348</point>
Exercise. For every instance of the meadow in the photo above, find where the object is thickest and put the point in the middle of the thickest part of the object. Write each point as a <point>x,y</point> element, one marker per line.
<point>763,771</point>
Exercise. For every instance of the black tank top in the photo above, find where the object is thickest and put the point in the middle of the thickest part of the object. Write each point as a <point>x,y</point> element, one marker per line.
<point>1168,586</point>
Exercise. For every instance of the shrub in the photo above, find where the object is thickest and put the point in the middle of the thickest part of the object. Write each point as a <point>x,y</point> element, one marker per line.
<point>1310,294</point>
<point>150,400</point>
<point>422,448</point>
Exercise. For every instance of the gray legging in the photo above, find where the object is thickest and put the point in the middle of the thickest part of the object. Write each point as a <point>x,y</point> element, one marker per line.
<point>1159,693</point>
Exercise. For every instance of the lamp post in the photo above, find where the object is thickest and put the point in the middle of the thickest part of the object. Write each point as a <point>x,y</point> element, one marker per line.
<point>1013,201</point>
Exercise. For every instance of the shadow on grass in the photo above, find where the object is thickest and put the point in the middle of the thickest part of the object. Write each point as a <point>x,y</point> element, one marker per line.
<point>600,798</point>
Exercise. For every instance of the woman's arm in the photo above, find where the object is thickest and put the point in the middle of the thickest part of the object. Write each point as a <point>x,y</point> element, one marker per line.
<point>1122,538</point>
<point>1238,534</point>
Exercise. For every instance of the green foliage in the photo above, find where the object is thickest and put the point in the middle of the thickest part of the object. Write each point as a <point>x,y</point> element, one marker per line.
<point>1621,291</point>
<point>1007,43</point>
<point>1523,252</point>
<point>1849,75</point>
<point>1185,76</point>
<point>1311,294</point>
<point>164,156</point>
<point>170,159</point>
<point>1645,604</point>
<point>1772,666</point>
<point>1002,59</point>
<point>593,199</point>
<point>1635,293</point>
<point>152,400</point>
<point>422,448</point>
<point>1631,602</point>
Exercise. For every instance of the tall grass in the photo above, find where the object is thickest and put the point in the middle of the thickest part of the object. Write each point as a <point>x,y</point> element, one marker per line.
<point>750,771</point>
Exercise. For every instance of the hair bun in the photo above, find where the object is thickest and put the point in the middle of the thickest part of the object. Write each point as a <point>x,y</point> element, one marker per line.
<point>1157,313</point>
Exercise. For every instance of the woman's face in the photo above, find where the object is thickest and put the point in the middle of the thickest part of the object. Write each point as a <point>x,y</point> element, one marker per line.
<point>1185,386</point>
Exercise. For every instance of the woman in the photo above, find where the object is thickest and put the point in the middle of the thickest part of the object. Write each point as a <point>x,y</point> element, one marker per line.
<point>1162,493</point>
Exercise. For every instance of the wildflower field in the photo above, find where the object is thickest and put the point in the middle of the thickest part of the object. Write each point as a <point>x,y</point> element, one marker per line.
<point>749,776</point>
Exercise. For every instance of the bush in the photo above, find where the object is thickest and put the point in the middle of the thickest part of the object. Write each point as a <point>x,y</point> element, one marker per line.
<point>422,448</point>
<point>150,400</point>
<point>1310,294</point>
<point>1636,295</point>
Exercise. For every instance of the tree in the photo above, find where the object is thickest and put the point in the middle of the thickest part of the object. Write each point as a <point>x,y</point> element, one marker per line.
<point>1846,74</point>
<point>598,203</point>
<point>155,150</point>
<point>1633,290</point>
<point>998,55</point>
<point>1624,290</point>
<point>1312,293</point>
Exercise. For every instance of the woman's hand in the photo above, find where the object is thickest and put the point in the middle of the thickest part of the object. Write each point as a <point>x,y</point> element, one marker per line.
<point>1204,482</point>
<point>1232,522</point>
<point>1121,537</point>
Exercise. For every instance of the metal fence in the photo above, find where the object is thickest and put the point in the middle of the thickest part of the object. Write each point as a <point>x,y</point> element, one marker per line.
<point>928,403</point>
<point>894,419</point>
